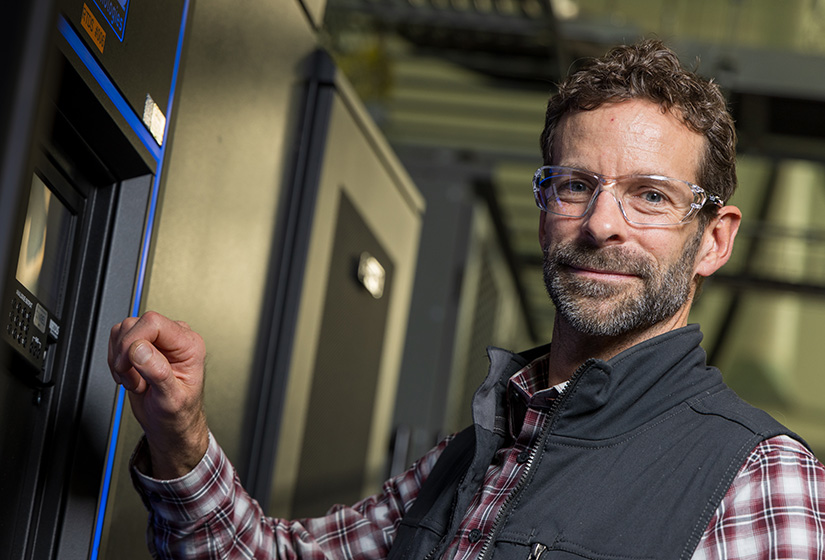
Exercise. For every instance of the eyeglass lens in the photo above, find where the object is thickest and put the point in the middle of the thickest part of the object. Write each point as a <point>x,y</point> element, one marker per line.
<point>643,199</point>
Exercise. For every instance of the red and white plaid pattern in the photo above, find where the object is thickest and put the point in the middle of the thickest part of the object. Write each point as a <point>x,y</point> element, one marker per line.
<point>207,515</point>
<point>775,509</point>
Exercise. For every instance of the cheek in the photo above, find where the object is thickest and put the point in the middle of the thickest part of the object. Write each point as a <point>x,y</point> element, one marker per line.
<point>553,229</point>
<point>548,235</point>
<point>657,246</point>
<point>544,230</point>
<point>663,247</point>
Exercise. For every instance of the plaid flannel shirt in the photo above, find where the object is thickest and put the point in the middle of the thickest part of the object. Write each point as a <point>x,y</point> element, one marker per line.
<point>775,508</point>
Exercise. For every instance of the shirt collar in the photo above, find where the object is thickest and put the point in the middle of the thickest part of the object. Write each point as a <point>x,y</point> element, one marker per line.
<point>527,388</point>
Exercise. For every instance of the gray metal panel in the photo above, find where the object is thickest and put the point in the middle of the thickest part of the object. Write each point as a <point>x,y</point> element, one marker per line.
<point>230,149</point>
<point>100,391</point>
<point>286,281</point>
<point>345,379</point>
<point>358,162</point>
<point>428,351</point>
<point>230,152</point>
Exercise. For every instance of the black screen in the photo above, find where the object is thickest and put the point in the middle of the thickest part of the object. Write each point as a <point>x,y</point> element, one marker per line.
<point>45,247</point>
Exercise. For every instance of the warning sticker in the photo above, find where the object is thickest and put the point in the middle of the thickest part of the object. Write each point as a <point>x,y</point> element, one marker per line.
<point>115,12</point>
<point>93,28</point>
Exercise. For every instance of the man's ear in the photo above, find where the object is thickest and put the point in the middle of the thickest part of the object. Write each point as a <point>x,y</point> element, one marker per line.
<point>717,242</point>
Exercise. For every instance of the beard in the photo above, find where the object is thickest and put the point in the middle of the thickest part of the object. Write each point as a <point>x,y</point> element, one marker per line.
<point>608,308</point>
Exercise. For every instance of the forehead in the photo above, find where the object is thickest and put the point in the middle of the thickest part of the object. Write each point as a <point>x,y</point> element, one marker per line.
<point>633,136</point>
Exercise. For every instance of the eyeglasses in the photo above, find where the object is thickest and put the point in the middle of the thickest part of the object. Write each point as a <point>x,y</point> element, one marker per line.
<point>646,200</point>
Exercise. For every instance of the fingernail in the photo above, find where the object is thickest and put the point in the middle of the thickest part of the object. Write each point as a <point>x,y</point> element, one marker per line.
<point>141,354</point>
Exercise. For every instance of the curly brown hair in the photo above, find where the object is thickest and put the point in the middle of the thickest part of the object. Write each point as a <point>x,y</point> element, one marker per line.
<point>650,70</point>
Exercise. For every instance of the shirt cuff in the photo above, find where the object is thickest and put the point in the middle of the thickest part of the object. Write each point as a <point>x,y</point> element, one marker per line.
<point>190,497</point>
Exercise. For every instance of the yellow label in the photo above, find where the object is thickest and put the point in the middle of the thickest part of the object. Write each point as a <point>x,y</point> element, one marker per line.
<point>93,28</point>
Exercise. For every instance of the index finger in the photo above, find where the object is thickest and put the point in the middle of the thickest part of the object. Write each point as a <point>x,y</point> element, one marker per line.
<point>116,347</point>
<point>178,343</point>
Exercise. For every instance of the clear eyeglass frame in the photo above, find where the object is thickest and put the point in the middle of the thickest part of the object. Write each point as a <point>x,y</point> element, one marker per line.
<point>606,183</point>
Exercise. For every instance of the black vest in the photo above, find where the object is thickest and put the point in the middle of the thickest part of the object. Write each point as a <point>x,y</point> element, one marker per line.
<point>632,463</point>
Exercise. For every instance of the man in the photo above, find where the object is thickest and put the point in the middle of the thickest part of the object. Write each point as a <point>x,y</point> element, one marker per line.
<point>616,441</point>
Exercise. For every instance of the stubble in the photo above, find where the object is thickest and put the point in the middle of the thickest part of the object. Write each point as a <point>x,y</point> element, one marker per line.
<point>613,308</point>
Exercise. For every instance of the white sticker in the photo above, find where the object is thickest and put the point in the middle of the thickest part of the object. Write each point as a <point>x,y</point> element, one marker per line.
<point>154,119</point>
<point>41,317</point>
<point>54,329</point>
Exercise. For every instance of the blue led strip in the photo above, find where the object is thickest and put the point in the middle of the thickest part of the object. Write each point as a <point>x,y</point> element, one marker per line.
<point>109,88</point>
<point>158,154</point>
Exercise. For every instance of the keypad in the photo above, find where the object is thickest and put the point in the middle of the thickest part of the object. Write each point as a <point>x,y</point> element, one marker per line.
<point>19,330</point>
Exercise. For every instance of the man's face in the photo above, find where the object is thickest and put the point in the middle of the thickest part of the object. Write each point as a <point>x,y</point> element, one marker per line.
<point>605,276</point>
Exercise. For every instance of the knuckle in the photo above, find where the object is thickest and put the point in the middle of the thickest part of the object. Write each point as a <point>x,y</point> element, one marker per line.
<point>197,339</point>
<point>151,317</point>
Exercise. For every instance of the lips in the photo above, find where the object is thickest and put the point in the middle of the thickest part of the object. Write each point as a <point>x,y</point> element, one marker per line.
<point>602,262</point>
<point>599,271</point>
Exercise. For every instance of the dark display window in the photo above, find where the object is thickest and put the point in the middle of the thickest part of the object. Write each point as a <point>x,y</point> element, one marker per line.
<point>46,246</point>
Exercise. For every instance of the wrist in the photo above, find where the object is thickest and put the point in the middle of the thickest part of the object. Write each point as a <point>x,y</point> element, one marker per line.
<point>173,456</point>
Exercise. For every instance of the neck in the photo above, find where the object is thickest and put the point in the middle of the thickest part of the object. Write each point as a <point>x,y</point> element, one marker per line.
<point>571,348</point>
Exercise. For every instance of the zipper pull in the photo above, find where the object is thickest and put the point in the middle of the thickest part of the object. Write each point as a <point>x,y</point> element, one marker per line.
<point>537,551</point>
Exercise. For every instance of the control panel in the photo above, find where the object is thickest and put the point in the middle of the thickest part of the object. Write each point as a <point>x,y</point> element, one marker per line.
<point>29,327</point>
<point>34,296</point>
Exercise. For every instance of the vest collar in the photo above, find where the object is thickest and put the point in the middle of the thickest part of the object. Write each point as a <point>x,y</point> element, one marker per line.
<point>609,398</point>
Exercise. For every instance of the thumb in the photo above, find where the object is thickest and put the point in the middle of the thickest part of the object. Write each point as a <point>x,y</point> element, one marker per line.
<point>152,365</point>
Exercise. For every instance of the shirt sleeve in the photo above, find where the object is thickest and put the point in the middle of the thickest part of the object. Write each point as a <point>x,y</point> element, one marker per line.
<point>775,507</point>
<point>207,515</point>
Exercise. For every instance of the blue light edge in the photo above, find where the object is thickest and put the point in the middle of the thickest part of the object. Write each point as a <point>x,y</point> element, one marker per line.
<point>109,88</point>
<point>157,153</point>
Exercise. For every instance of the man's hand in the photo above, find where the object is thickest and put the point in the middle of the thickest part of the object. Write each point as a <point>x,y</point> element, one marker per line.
<point>161,363</point>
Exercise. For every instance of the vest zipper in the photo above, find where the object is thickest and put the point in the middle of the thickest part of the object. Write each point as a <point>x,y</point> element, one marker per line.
<point>545,431</point>
<point>537,551</point>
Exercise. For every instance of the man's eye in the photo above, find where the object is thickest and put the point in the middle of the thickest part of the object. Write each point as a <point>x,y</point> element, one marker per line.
<point>574,187</point>
<point>653,197</point>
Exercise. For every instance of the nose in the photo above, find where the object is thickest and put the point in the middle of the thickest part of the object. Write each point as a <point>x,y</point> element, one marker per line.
<point>604,222</point>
